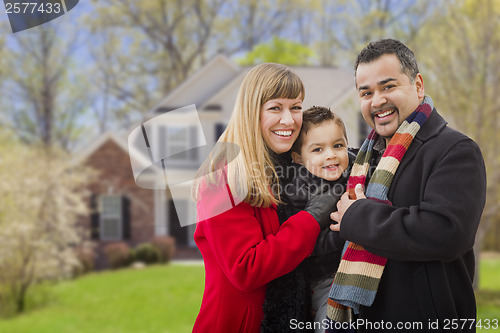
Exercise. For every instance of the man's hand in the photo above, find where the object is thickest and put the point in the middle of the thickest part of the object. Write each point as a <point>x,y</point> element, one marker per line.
<point>343,204</point>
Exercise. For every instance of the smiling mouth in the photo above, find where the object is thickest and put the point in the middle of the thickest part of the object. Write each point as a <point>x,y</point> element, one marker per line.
<point>385,113</point>
<point>283,133</point>
<point>331,166</point>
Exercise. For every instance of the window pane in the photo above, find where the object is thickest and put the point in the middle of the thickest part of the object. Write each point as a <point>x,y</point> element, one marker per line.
<point>177,134</point>
<point>111,205</point>
<point>110,228</point>
<point>179,151</point>
<point>111,217</point>
<point>177,142</point>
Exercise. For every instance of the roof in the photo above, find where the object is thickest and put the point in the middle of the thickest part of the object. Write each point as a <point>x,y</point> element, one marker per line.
<point>325,86</point>
<point>220,77</point>
<point>135,154</point>
<point>97,143</point>
<point>205,82</point>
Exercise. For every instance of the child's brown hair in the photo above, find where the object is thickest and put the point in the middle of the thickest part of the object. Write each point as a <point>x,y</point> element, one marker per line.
<point>316,115</point>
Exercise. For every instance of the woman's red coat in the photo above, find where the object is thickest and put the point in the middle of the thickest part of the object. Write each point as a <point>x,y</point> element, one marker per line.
<point>243,249</point>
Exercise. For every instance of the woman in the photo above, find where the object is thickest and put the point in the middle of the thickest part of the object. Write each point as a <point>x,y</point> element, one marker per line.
<point>242,242</point>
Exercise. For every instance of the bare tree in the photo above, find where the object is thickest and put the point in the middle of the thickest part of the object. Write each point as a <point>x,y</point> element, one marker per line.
<point>345,27</point>
<point>167,40</point>
<point>44,102</point>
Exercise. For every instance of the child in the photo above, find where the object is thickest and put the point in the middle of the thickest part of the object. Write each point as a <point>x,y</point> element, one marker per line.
<point>321,164</point>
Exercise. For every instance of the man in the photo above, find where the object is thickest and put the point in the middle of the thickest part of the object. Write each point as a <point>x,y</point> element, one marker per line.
<point>428,194</point>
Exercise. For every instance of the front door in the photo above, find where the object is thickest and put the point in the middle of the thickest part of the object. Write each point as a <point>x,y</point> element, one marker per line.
<point>179,233</point>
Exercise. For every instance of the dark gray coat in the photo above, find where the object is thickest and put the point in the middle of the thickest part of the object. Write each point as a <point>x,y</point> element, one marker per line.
<point>438,195</point>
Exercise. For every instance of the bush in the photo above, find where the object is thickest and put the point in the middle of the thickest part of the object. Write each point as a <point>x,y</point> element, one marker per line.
<point>165,246</point>
<point>39,295</point>
<point>86,257</point>
<point>118,254</point>
<point>146,253</point>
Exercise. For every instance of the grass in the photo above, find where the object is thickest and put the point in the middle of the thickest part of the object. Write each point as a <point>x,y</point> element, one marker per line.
<point>153,300</point>
<point>488,296</point>
<point>158,299</point>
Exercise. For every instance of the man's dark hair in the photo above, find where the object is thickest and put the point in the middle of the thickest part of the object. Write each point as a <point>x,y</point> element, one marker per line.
<point>375,50</point>
<point>315,116</point>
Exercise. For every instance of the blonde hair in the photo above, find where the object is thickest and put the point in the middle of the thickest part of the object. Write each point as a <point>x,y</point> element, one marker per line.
<point>250,169</point>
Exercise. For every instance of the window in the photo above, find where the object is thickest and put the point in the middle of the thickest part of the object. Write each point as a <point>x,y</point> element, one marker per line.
<point>213,107</point>
<point>111,219</point>
<point>181,143</point>
<point>178,142</point>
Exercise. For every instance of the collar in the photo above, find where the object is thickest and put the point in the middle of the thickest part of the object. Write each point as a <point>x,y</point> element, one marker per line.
<point>283,159</point>
<point>432,127</point>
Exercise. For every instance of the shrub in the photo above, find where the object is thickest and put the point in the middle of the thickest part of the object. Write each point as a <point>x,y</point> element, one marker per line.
<point>165,246</point>
<point>86,257</point>
<point>118,254</point>
<point>146,253</point>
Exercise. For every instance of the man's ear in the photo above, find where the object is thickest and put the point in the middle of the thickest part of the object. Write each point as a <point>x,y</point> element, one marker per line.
<point>419,83</point>
<point>296,158</point>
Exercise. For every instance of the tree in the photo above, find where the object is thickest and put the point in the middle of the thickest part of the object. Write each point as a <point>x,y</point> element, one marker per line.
<point>38,217</point>
<point>146,48</point>
<point>459,57</point>
<point>280,51</point>
<point>44,102</point>
<point>343,28</point>
<point>243,24</point>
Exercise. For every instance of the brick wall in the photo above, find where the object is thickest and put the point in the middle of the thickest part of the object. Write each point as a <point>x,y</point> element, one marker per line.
<point>115,177</point>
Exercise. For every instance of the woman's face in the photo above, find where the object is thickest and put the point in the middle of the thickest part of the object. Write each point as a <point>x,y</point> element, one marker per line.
<point>280,123</point>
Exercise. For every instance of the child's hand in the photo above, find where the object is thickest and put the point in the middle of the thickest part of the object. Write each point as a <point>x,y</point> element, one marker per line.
<point>343,204</point>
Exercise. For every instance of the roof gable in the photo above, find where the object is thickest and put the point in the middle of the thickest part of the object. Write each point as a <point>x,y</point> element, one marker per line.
<point>98,143</point>
<point>200,86</point>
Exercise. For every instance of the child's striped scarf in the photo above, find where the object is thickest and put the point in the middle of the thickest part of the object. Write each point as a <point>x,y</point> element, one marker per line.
<point>359,272</point>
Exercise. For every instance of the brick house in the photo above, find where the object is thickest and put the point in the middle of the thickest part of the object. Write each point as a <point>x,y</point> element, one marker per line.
<point>127,212</point>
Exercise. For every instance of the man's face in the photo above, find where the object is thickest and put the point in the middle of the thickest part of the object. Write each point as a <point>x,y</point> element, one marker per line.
<point>386,94</point>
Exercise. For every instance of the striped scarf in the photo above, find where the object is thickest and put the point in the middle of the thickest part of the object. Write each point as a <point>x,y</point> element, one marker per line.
<point>357,279</point>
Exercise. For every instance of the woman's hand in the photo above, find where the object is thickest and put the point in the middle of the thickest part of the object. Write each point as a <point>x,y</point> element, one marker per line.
<point>320,207</point>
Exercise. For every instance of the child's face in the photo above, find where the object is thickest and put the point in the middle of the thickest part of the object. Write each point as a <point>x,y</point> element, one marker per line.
<point>324,151</point>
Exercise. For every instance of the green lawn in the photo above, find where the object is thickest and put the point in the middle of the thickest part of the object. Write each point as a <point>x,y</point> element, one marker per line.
<point>159,299</point>
<point>488,296</point>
